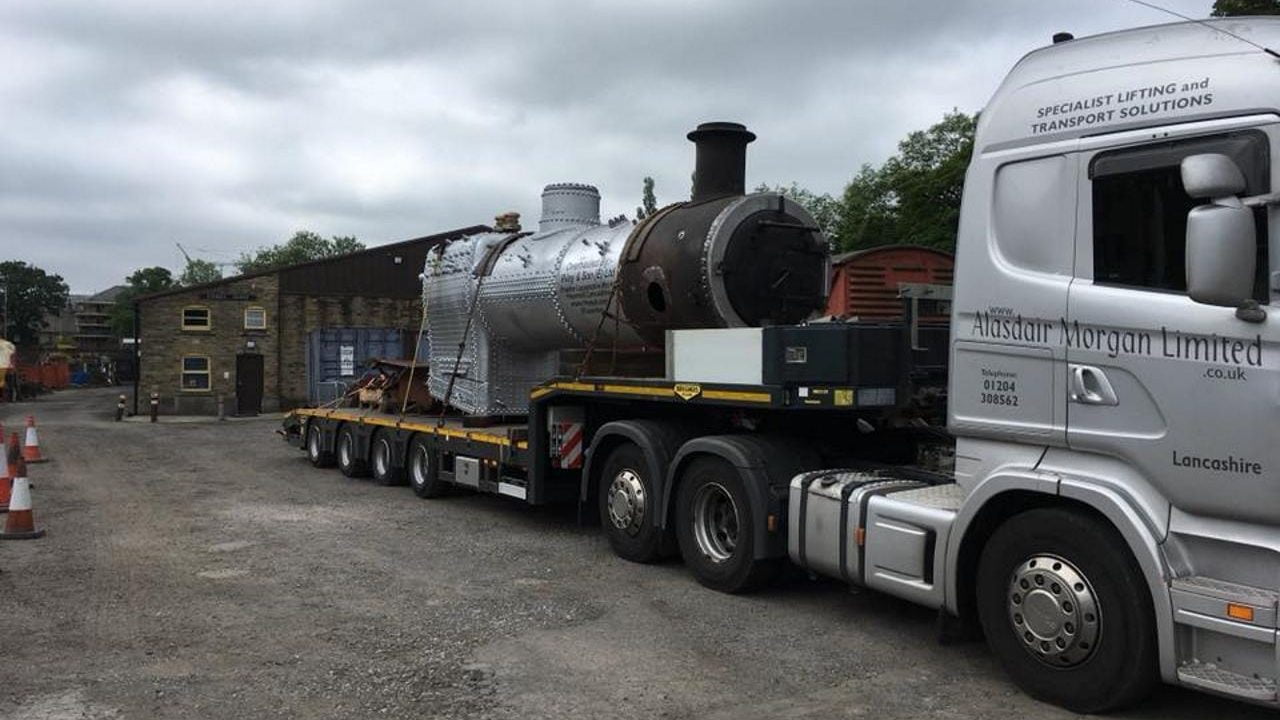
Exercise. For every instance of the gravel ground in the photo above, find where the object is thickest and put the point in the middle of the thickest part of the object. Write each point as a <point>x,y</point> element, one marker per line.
<point>206,570</point>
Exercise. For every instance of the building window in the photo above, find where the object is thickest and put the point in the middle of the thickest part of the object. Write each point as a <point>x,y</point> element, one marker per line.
<point>195,317</point>
<point>255,318</point>
<point>195,373</point>
<point>1140,210</point>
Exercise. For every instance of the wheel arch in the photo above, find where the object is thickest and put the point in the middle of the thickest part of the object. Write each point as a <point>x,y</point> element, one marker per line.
<point>767,463</point>
<point>658,442</point>
<point>1103,504</point>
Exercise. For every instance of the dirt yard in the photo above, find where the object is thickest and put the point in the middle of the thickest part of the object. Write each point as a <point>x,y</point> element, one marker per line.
<point>207,571</point>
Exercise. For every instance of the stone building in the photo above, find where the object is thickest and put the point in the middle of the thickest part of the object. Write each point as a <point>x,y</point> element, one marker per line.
<point>252,341</point>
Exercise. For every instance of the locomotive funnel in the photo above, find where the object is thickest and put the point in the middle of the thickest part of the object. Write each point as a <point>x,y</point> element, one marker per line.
<point>721,165</point>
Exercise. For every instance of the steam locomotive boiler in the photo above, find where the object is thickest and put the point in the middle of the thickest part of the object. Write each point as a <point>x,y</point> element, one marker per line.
<point>502,306</point>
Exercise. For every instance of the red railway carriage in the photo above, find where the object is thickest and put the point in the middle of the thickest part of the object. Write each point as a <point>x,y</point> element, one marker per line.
<point>864,283</point>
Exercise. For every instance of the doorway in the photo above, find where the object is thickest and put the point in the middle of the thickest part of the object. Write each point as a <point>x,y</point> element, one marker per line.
<point>248,384</point>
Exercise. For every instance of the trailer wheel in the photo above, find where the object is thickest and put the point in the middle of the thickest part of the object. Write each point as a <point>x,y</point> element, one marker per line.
<point>1066,610</point>
<point>382,460</point>
<point>349,460</point>
<point>315,446</point>
<point>424,475</point>
<point>628,499</point>
<point>715,525</point>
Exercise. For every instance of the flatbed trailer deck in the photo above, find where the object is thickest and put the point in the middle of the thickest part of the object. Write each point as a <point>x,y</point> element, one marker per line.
<point>520,459</point>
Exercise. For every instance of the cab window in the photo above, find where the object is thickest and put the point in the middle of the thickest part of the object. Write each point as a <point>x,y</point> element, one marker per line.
<point>1140,209</point>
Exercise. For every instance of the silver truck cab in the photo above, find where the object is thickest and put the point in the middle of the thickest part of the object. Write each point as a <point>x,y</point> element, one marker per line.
<point>1116,357</point>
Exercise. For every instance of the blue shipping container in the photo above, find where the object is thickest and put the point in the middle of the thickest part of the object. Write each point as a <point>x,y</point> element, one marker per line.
<point>337,357</point>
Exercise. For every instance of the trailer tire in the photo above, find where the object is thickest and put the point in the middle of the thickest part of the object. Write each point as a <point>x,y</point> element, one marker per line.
<point>382,465</point>
<point>349,460</point>
<point>423,470</point>
<point>316,453</point>
<point>1066,610</point>
<point>714,526</point>
<point>628,497</point>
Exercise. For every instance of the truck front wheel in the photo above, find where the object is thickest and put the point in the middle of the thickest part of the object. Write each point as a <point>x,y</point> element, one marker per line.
<point>715,525</point>
<point>349,460</point>
<point>1066,611</point>
<point>628,496</point>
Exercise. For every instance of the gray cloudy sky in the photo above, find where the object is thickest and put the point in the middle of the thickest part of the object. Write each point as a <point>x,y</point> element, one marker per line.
<point>131,124</point>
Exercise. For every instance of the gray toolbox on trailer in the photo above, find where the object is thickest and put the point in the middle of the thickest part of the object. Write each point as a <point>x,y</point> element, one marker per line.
<point>827,516</point>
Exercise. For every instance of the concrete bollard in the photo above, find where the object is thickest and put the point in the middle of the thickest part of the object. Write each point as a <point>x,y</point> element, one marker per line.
<point>120,409</point>
<point>155,406</point>
<point>222,408</point>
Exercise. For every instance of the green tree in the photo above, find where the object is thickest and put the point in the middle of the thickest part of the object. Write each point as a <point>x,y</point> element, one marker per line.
<point>824,208</point>
<point>143,281</point>
<point>648,201</point>
<point>914,197</point>
<point>303,246</point>
<point>29,294</point>
<point>199,271</point>
<point>1228,8</point>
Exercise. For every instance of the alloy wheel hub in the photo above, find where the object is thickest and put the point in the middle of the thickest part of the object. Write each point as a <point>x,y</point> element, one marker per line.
<point>1054,611</point>
<point>715,522</point>
<point>626,502</point>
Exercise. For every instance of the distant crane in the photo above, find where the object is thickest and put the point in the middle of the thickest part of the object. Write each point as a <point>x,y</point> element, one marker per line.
<point>190,259</point>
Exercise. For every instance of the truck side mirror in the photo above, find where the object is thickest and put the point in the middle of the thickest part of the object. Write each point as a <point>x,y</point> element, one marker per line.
<point>1211,175</point>
<point>1221,237</point>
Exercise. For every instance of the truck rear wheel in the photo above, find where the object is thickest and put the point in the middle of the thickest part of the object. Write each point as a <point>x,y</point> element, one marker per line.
<point>424,476</point>
<point>382,460</point>
<point>1067,612</point>
<point>349,460</point>
<point>628,496</point>
<point>315,446</point>
<point>715,525</point>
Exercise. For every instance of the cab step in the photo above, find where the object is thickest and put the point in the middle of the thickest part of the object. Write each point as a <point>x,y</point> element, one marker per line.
<point>1209,677</point>
<point>1213,603</point>
<point>1228,591</point>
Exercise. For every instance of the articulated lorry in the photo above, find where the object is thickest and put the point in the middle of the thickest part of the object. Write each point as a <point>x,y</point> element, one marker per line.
<point>1103,503</point>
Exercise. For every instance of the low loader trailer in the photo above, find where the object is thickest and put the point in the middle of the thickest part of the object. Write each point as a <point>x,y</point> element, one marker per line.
<point>1081,467</point>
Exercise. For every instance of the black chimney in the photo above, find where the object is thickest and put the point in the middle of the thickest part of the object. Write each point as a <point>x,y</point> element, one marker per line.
<point>721,168</point>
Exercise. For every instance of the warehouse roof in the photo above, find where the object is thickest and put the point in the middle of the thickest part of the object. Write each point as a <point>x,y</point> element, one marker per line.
<point>318,271</point>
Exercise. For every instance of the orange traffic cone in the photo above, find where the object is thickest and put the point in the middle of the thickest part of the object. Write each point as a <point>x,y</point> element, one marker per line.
<point>31,448</point>
<point>10,469</point>
<point>20,523</point>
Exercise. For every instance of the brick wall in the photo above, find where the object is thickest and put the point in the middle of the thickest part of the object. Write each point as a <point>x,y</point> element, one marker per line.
<point>164,343</point>
<point>301,314</point>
